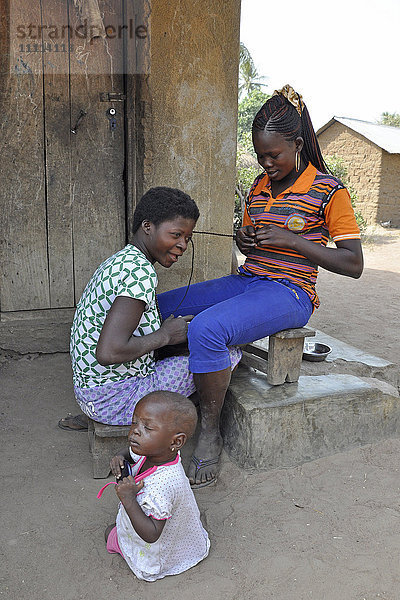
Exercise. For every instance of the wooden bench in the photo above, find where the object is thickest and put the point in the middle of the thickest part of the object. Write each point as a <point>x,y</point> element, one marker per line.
<point>104,443</point>
<point>279,356</point>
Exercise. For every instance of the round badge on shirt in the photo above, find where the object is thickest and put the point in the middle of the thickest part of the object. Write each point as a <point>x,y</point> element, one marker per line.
<point>295,223</point>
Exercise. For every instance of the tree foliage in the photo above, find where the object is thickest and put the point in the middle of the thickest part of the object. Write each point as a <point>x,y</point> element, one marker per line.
<point>392,119</point>
<point>338,168</point>
<point>249,78</point>
<point>247,109</point>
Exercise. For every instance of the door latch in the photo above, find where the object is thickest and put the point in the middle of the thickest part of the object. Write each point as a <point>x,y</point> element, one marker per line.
<point>111,116</point>
<point>112,97</point>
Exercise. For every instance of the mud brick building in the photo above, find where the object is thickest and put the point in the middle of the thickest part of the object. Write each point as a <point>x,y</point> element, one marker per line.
<point>371,154</point>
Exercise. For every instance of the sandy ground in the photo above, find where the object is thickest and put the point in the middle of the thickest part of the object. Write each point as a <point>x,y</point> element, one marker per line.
<point>328,530</point>
<point>365,312</point>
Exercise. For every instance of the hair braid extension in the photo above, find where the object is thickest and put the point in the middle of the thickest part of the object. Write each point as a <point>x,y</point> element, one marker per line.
<point>278,115</point>
<point>311,145</point>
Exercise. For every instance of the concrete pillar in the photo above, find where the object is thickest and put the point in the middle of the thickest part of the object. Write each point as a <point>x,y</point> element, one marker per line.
<point>192,87</point>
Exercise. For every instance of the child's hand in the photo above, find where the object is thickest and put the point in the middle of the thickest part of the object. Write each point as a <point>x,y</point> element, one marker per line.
<point>127,489</point>
<point>116,463</point>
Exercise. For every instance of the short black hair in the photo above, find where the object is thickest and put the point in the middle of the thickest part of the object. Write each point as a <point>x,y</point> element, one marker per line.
<point>161,204</point>
<point>180,407</point>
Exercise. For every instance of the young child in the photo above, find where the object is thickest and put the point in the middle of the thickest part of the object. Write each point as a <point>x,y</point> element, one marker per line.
<point>158,530</point>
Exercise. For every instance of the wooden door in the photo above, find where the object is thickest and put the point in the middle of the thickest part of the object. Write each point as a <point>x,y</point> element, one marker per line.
<point>63,207</point>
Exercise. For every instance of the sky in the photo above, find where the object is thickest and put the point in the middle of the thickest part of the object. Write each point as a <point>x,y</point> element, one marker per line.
<point>342,56</point>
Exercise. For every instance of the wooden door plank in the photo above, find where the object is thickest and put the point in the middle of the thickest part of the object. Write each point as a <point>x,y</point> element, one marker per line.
<point>97,152</point>
<point>137,64</point>
<point>57,155</point>
<point>24,279</point>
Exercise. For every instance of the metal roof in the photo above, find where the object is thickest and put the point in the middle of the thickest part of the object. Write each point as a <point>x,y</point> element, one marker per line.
<point>384,136</point>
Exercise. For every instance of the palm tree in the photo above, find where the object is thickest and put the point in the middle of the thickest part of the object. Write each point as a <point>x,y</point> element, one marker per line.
<point>392,119</point>
<point>249,79</point>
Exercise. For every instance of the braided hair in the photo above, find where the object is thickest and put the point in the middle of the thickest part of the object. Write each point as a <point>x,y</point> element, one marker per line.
<point>278,115</point>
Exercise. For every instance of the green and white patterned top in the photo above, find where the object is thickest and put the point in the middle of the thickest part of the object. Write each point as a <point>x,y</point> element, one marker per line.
<point>126,273</point>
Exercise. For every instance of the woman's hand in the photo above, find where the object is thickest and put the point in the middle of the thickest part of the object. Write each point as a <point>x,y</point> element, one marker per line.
<point>245,239</point>
<point>272,235</point>
<point>127,489</point>
<point>176,329</point>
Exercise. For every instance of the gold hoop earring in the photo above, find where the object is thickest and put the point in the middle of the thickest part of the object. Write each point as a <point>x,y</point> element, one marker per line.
<point>297,161</point>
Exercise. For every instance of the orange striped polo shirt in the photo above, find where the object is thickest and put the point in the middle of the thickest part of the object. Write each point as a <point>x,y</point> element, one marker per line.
<point>315,206</point>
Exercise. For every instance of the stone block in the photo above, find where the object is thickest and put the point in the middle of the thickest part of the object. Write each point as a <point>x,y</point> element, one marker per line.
<point>35,335</point>
<point>267,427</point>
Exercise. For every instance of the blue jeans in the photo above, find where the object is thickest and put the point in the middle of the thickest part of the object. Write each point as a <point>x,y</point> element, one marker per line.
<point>234,310</point>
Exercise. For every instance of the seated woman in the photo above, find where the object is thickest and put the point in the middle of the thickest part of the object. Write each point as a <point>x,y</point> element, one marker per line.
<point>291,210</point>
<point>117,325</point>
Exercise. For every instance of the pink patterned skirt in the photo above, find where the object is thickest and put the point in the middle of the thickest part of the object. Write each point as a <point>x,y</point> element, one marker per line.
<point>114,403</point>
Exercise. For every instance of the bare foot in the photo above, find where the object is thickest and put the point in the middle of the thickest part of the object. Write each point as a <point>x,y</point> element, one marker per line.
<point>203,468</point>
<point>108,531</point>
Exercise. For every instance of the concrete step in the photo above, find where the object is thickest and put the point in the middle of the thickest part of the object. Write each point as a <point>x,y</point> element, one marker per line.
<point>267,427</point>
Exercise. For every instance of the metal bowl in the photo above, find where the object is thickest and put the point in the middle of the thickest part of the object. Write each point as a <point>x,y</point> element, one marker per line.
<point>315,352</point>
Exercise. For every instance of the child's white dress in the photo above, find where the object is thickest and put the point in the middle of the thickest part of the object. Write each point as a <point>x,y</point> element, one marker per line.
<point>183,543</point>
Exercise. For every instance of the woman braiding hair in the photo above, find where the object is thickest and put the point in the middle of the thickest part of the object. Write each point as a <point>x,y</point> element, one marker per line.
<point>292,208</point>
